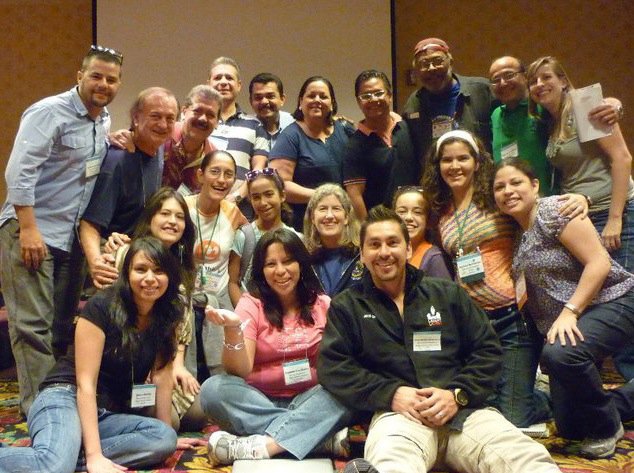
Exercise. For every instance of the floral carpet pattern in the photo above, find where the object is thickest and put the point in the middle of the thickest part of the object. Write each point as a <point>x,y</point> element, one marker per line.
<point>13,431</point>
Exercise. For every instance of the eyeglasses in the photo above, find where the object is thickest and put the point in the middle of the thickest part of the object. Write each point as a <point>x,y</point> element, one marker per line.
<point>505,76</point>
<point>96,49</point>
<point>425,64</point>
<point>366,97</point>
<point>217,172</point>
<point>253,175</point>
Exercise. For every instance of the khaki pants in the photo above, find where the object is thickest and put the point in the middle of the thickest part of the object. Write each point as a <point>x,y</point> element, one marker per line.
<point>487,443</point>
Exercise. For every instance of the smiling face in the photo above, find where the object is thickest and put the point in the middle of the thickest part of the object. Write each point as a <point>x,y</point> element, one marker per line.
<point>411,207</point>
<point>200,119</point>
<point>546,88</point>
<point>168,224</point>
<point>154,121</point>
<point>457,166</point>
<point>329,219</point>
<point>266,199</point>
<point>98,84</point>
<point>515,193</point>
<point>281,272</point>
<point>434,71</point>
<point>218,177</point>
<point>148,282</point>
<point>508,81</point>
<point>224,78</point>
<point>316,103</point>
<point>384,253</point>
<point>266,101</point>
<point>374,107</point>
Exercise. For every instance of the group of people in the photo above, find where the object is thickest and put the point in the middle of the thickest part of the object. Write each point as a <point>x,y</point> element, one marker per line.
<point>289,275</point>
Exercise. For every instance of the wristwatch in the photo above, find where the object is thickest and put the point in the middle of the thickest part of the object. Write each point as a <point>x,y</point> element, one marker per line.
<point>237,198</point>
<point>461,397</point>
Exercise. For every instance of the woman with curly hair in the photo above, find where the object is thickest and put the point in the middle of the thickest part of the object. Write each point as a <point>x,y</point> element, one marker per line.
<point>331,234</point>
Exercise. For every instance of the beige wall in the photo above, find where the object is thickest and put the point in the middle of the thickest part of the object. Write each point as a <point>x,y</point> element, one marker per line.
<point>42,43</point>
<point>592,38</point>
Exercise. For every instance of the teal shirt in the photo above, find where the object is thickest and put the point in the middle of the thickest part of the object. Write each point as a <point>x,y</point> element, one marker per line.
<point>516,125</point>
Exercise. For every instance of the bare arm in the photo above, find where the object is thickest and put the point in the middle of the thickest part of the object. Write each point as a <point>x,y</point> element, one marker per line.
<point>32,246</point>
<point>621,170</point>
<point>579,237</point>
<point>235,291</point>
<point>89,344</point>
<point>101,266</point>
<point>355,191</point>
<point>238,353</point>
<point>164,384</point>
<point>295,194</point>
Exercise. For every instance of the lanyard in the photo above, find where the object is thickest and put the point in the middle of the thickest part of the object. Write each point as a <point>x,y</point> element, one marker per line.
<point>460,227</point>
<point>202,244</point>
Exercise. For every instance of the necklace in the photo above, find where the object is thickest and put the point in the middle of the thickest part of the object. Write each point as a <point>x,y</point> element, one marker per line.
<point>204,249</point>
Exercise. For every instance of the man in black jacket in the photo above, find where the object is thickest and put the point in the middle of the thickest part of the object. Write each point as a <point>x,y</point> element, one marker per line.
<point>423,357</point>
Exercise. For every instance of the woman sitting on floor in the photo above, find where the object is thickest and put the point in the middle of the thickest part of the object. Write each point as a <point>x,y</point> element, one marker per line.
<point>580,299</point>
<point>84,416</point>
<point>271,397</point>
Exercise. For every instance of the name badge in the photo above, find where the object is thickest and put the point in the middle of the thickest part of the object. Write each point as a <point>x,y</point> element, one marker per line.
<point>143,395</point>
<point>510,151</point>
<point>297,371</point>
<point>521,295</point>
<point>210,279</point>
<point>427,341</point>
<point>440,126</point>
<point>470,267</point>
<point>93,166</point>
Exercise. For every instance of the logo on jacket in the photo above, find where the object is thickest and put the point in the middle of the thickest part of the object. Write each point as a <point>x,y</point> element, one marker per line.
<point>357,272</point>
<point>433,317</point>
<point>369,316</point>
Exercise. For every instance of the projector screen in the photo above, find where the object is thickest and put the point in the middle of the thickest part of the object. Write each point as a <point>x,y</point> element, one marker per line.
<point>171,43</point>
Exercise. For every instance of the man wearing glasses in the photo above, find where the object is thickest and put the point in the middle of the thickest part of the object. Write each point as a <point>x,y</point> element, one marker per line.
<point>380,155</point>
<point>446,101</point>
<point>50,176</point>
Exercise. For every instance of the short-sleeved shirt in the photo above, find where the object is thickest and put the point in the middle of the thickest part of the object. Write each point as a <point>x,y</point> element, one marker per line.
<point>552,273</point>
<point>274,347</point>
<point>126,182</point>
<point>285,120</point>
<point>214,239</point>
<point>179,171</point>
<point>114,383</point>
<point>316,162</point>
<point>243,137</point>
<point>382,167</point>
<point>516,126</point>
<point>54,165</point>
<point>492,234</point>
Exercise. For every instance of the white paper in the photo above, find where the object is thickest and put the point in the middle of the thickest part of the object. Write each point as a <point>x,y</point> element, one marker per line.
<point>584,100</point>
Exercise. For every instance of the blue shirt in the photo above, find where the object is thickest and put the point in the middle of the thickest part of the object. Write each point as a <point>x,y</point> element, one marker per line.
<point>285,120</point>
<point>49,164</point>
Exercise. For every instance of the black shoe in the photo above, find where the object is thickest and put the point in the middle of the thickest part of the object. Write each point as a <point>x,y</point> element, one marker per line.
<point>359,465</point>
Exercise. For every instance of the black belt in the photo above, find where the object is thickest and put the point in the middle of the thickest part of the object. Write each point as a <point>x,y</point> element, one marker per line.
<point>502,311</point>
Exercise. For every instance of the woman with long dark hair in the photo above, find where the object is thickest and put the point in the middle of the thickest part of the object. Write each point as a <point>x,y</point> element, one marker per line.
<point>84,416</point>
<point>271,397</point>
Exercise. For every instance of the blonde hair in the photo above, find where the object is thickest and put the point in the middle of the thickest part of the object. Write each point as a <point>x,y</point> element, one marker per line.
<point>350,235</point>
<point>561,126</point>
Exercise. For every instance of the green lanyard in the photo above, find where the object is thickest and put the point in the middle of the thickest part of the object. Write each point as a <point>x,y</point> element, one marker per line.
<point>203,279</point>
<point>460,226</point>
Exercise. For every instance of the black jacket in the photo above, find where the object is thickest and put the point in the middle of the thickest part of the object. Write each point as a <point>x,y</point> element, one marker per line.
<point>367,351</point>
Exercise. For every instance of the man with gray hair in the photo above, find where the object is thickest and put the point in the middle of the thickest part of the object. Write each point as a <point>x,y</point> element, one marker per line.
<point>189,141</point>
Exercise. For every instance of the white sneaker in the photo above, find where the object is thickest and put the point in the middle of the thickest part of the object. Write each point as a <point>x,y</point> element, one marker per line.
<point>601,448</point>
<point>224,448</point>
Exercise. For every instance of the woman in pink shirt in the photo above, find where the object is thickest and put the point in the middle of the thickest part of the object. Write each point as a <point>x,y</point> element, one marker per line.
<point>270,395</point>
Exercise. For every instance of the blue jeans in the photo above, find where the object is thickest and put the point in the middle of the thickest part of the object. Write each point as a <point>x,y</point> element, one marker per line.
<point>297,424</point>
<point>516,396</point>
<point>624,361</point>
<point>55,430</point>
<point>581,407</point>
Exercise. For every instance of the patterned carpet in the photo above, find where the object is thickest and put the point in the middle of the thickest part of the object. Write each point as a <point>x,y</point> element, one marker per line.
<point>14,432</point>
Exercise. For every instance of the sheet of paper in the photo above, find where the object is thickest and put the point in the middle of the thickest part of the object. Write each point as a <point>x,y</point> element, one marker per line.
<point>584,100</point>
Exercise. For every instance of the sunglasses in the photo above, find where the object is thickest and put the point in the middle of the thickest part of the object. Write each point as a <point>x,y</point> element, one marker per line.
<point>271,172</point>
<point>96,49</point>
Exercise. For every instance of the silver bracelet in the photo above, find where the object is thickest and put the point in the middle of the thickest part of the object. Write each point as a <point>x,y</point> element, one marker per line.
<point>233,347</point>
<point>573,308</point>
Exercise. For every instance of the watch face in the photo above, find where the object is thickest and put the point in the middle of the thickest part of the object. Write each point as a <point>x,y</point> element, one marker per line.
<point>461,397</point>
